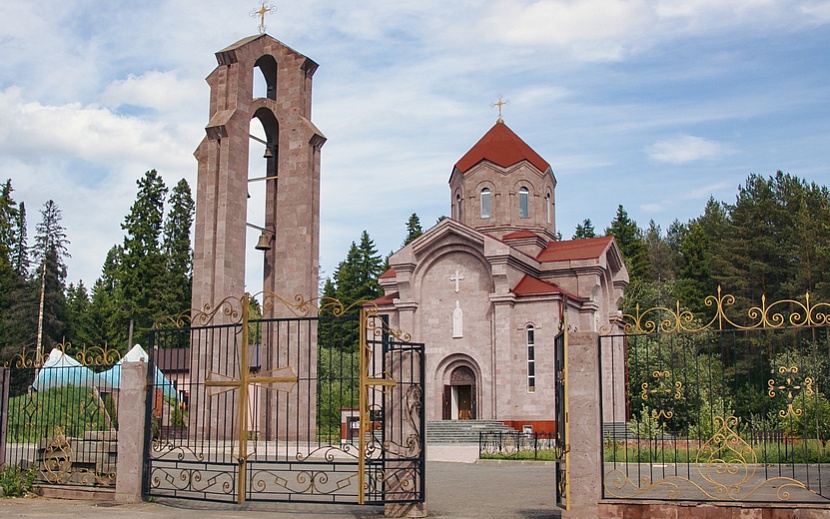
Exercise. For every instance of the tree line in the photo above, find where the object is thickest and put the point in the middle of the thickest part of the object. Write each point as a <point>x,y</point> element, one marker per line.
<point>773,241</point>
<point>145,276</point>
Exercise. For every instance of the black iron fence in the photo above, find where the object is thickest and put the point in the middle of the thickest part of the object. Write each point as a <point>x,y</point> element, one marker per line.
<point>60,417</point>
<point>518,446</point>
<point>270,410</point>
<point>739,414</point>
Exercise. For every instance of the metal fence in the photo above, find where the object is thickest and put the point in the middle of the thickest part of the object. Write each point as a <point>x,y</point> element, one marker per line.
<point>518,446</point>
<point>717,413</point>
<point>270,410</point>
<point>59,416</point>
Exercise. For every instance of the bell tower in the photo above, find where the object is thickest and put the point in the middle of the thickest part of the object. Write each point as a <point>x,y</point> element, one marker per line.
<point>290,235</point>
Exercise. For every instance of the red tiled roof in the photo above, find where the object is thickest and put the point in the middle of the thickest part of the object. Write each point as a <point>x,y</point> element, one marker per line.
<point>388,274</point>
<point>530,285</point>
<point>589,248</point>
<point>524,233</point>
<point>501,147</point>
<point>388,299</point>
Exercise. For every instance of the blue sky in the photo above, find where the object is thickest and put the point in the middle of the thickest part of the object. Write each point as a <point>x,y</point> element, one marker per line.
<point>655,105</point>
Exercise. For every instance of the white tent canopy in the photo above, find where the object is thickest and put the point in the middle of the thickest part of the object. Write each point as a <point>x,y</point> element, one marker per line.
<point>111,379</point>
<point>61,370</point>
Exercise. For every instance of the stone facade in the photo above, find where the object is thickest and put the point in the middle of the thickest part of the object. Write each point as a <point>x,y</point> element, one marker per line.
<point>486,290</point>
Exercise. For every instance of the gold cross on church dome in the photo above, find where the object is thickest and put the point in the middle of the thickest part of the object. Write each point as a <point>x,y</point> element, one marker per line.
<point>500,103</point>
<point>261,12</point>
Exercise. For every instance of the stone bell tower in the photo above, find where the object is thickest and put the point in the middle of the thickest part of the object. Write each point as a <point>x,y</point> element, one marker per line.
<point>292,214</point>
<point>291,230</point>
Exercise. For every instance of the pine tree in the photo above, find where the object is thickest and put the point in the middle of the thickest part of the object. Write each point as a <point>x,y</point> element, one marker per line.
<point>76,314</point>
<point>356,279</point>
<point>20,252</point>
<point>50,251</point>
<point>8,222</point>
<point>696,277</point>
<point>584,230</point>
<point>8,277</point>
<point>629,239</point>
<point>177,251</point>
<point>141,274</point>
<point>413,228</point>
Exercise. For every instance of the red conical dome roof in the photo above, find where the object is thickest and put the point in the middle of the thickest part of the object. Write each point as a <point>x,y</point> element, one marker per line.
<point>501,147</point>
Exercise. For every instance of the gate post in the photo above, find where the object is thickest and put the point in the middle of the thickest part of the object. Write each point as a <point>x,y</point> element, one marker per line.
<point>132,400</point>
<point>585,436</point>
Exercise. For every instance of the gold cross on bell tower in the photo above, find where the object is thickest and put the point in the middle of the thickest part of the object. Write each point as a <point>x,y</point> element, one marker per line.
<point>500,103</point>
<point>261,12</point>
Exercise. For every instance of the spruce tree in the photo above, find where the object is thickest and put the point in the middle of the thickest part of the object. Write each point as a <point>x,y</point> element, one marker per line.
<point>413,228</point>
<point>49,252</point>
<point>584,230</point>
<point>177,251</point>
<point>141,274</point>
<point>630,240</point>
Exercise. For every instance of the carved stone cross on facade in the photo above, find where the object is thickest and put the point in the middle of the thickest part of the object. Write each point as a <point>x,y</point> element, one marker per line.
<point>458,276</point>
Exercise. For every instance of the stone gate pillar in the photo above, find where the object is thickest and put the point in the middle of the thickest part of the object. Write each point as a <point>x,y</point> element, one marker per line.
<point>584,428</point>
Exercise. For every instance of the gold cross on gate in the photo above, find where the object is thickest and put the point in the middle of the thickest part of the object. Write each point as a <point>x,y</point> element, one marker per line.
<point>500,103</point>
<point>282,379</point>
<point>261,12</point>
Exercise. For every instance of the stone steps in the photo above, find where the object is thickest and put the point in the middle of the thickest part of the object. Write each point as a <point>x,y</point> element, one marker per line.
<point>462,431</point>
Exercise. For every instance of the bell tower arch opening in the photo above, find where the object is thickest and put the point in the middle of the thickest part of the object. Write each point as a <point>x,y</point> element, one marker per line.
<point>263,153</point>
<point>265,78</point>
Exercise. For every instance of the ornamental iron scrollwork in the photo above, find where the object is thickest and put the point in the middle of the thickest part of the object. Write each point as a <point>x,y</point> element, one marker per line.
<point>664,393</point>
<point>790,388</point>
<point>775,315</point>
<point>88,356</point>
<point>727,470</point>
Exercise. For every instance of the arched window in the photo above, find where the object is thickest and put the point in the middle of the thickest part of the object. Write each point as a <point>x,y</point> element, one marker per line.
<point>458,207</point>
<point>531,359</point>
<point>523,203</point>
<point>547,208</point>
<point>485,203</point>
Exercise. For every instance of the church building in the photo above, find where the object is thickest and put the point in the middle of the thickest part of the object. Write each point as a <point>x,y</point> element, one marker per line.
<point>487,289</point>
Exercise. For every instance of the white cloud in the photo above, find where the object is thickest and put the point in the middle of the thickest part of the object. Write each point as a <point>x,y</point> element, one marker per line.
<point>91,133</point>
<point>593,29</point>
<point>686,148</point>
<point>611,30</point>
<point>162,91</point>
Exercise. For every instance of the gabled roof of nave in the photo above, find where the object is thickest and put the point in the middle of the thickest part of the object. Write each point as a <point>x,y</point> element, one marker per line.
<point>588,248</point>
<point>501,147</point>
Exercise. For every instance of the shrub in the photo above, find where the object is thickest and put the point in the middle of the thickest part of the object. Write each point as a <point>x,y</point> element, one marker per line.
<point>16,482</point>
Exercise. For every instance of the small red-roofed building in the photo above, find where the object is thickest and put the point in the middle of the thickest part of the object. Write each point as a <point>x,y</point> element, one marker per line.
<point>486,289</point>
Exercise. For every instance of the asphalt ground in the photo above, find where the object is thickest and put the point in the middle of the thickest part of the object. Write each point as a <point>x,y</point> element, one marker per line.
<point>509,490</point>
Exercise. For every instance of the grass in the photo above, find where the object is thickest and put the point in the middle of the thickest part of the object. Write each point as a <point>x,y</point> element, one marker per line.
<point>75,410</point>
<point>797,451</point>
<point>540,455</point>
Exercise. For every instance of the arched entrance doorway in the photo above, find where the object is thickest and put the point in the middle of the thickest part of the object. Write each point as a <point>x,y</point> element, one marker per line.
<point>460,395</point>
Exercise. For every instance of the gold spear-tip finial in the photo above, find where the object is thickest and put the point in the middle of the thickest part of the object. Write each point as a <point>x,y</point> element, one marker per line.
<point>499,104</point>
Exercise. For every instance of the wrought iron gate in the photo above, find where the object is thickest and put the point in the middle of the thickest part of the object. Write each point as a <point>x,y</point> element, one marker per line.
<point>318,405</point>
<point>560,356</point>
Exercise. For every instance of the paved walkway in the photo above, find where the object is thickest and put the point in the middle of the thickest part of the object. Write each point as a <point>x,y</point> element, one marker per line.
<point>509,490</point>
